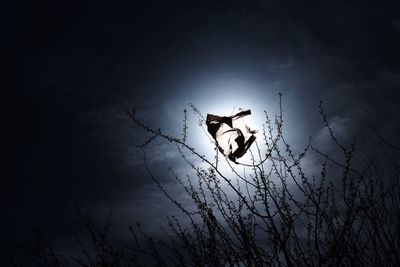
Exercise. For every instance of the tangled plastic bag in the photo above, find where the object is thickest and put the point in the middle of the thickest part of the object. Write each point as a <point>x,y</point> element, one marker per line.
<point>232,135</point>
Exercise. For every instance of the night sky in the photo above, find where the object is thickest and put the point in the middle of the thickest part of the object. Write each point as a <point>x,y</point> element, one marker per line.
<point>79,66</point>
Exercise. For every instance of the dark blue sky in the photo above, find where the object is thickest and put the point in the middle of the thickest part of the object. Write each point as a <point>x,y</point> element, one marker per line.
<point>80,66</point>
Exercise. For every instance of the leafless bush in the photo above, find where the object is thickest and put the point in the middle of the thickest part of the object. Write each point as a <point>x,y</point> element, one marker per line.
<point>277,212</point>
<point>281,214</point>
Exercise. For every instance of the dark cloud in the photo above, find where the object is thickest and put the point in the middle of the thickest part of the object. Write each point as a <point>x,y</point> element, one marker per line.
<point>79,67</point>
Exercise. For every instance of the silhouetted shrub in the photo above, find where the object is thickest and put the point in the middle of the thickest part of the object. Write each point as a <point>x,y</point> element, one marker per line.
<point>277,212</point>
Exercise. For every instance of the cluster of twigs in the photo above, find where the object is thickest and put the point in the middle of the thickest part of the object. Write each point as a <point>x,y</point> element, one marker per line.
<point>280,214</point>
<point>275,213</point>
<point>95,248</point>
